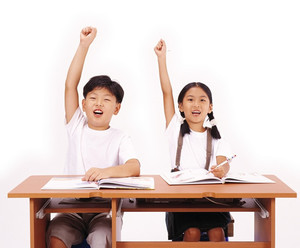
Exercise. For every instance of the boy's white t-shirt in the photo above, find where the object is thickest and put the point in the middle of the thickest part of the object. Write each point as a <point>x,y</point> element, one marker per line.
<point>92,148</point>
<point>193,153</point>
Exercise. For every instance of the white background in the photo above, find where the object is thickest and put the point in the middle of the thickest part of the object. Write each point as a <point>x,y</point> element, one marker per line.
<point>247,52</point>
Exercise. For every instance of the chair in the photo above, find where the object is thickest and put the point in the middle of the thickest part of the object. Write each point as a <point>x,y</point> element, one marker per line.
<point>228,233</point>
<point>84,244</point>
<point>204,237</point>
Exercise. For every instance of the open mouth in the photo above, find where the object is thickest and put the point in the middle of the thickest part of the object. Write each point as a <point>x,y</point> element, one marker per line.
<point>196,112</point>
<point>98,112</point>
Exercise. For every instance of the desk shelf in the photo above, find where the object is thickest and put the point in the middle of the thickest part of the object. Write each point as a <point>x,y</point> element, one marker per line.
<point>132,205</point>
<point>135,206</point>
<point>56,206</point>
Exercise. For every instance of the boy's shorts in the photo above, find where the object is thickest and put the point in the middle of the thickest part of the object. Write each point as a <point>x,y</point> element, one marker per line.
<point>73,228</point>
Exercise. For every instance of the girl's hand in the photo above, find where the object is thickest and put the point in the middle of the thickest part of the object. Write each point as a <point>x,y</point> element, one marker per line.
<point>95,174</point>
<point>218,172</point>
<point>161,48</point>
<point>87,35</point>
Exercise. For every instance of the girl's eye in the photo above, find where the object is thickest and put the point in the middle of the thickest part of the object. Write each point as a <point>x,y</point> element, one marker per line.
<point>190,99</point>
<point>92,98</point>
<point>107,99</point>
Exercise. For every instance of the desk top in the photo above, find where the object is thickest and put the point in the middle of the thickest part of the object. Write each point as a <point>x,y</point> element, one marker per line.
<point>31,188</point>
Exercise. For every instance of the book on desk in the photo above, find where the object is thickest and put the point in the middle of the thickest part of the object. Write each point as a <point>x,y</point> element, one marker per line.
<point>201,176</point>
<point>108,183</point>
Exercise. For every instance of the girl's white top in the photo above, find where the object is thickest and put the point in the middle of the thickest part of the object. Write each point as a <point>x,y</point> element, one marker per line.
<point>193,154</point>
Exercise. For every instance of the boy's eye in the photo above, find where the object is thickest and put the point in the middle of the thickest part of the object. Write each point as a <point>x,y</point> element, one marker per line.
<point>107,99</point>
<point>190,99</point>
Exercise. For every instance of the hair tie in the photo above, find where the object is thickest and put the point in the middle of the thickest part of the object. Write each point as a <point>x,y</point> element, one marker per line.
<point>213,122</point>
<point>182,121</point>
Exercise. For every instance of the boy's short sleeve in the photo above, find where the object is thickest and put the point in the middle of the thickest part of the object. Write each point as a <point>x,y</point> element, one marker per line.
<point>78,119</point>
<point>126,150</point>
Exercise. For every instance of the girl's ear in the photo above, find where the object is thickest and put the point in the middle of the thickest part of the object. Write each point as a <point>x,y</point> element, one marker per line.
<point>180,107</point>
<point>117,109</point>
<point>210,108</point>
<point>83,105</point>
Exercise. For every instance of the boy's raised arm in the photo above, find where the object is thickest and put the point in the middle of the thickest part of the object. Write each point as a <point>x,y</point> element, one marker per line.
<point>87,36</point>
<point>165,83</point>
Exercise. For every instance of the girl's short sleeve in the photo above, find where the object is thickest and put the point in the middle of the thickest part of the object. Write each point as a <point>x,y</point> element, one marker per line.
<point>174,126</point>
<point>223,148</point>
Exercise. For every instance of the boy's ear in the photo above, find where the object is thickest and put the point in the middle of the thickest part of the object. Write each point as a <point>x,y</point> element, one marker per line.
<point>83,105</point>
<point>117,109</point>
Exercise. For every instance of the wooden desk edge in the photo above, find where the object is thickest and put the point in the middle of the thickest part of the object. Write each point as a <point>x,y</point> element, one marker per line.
<point>26,190</point>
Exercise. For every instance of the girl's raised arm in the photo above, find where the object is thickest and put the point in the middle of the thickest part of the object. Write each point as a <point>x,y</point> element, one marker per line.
<point>169,109</point>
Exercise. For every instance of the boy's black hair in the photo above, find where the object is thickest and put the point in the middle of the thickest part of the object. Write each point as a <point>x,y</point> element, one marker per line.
<point>104,81</point>
<point>185,126</point>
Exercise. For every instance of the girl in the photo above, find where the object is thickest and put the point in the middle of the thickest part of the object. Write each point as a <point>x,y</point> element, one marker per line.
<point>192,145</point>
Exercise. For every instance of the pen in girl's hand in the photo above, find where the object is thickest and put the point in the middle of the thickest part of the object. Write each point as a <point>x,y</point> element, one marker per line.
<point>226,161</point>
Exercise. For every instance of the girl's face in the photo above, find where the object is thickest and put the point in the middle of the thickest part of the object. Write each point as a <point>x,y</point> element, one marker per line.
<point>196,106</point>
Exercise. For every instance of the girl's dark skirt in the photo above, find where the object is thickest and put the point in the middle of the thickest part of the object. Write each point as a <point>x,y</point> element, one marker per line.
<point>178,223</point>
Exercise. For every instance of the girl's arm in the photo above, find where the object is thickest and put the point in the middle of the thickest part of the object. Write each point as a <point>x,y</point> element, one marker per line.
<point>130,169</point>
<point>165,83</point>
<point>222,170</point>
<point>87,36</point>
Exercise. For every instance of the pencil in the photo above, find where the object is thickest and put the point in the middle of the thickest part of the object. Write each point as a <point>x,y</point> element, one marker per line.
<point>226,161</point>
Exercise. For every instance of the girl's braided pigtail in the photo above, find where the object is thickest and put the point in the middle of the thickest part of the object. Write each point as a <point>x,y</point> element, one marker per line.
<point>214,130</point>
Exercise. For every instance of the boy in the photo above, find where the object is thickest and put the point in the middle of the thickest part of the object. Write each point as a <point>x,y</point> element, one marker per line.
<point>95,149</point>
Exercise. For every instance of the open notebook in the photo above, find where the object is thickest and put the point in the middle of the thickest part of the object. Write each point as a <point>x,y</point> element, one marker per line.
<point>108,183</point>
<point>200,176</point>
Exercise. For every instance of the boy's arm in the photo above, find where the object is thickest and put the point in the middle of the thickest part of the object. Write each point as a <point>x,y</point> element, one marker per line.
<point>130,169</point>
<point>87,36</point>
<point>165,83</point>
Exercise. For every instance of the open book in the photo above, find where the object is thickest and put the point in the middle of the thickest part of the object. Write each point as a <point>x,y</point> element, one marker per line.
<point>200,176</point>
<point>108,183</point>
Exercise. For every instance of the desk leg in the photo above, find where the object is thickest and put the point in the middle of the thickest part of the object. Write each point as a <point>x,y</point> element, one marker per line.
<point>114,222</point>
<point>37,226</point>
<point>265,228</point>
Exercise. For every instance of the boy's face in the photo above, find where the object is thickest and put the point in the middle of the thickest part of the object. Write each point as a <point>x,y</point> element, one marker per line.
<point>100,105</point>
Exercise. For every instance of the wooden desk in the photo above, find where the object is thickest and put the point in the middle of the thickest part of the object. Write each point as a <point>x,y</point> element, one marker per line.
<point>264,227</point>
